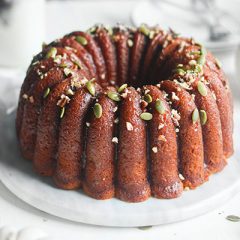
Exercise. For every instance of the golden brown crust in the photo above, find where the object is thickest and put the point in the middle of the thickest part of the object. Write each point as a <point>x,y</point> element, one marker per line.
<point>121,39</point>
<point>121,150</point>
<point>109,53</point>
<point>132,184</point>
<point>100,151</point>
<point>27,136</point>
<point>211,130</point>
<point>136,57</point>
<point>47,131</point>
<point>224,107</point>
<point>190,136</point>
<point>68,173</point>
<point>153,49</point>
<point>81,52</point>
<point>96,53</point>
<point>165,182</point>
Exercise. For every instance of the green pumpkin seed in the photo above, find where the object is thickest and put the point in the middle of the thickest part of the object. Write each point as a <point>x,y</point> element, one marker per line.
<point>202,58</point>
<point>97,110</point>
<point>62,112</point>
<point>145,227</point>
<point>91,88</point>
<point>51,53</point>
<point>202,89</point>
<point>82,40</point>
<point>160,106</point>
<point>67,71</point>
<point>198,68</point>
<point>203,117</point>
<point>146,116</point>
<point>144,29</point>
<point>121,88</point>
<point>47,91</point>
<point>114,96</point>
<point>92,29</point>
<point>218,63</point>
<point>180,71</point>
<point>109,30</point>
<point>195,115</point>
<point>148,98</point>
<point>233,218</point>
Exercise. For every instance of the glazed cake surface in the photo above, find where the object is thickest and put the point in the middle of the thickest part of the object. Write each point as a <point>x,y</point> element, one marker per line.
<point>125,112</point>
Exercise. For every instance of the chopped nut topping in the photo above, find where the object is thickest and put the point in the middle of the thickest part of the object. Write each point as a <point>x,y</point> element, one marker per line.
<point>115,140</point>
<point>129,126</point>
<point>162,138</point>
<point>181,177</point>
<point>116,121</point>
<point>87,124</point>
<point>146,91</point>
<point>69,92</point>
<point>103,76</point>
<point>35,63</point>
<point>186,188</point>
<point>161,125</point>
<point>214,95</point>
<point>130,43</point>
<point>124,95</point>
<point>181,46</point>
<point>175,116</point>
<point>25,96</point>
<point>174,96</point>
<point>155,149</point>
<point>115,109</point>
<point>31,99</point>
<point>63,100</point>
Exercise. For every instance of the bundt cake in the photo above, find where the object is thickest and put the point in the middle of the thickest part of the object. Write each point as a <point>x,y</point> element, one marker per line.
<point>126,113</point>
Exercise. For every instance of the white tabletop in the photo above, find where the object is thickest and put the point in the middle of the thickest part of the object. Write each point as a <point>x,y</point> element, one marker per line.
<point>17,214</point>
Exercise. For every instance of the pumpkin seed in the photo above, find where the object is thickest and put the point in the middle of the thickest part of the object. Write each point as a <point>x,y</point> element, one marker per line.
<point>203,117</point>
<point>97,110</point>
<point>47,91</point>
<point>67,71</point>
<point>51,53</point>
<point>198,68</point>
<point>202,58</point>
<point>180,71</point>
<point>233,218</point>
<point>121,88</point>
<point>143,29</point>
<point>148,98</point>
<point>62,112</point>
<point>91,88</point>
<point>202,88</point>
<point>160,106</point>
<point>195,115</point>
<point>114,96</point>
<point>218,63</point>
<point>145,227</point>
<point>92,29</point>
<point>82,40</point>
<point>146,116</point>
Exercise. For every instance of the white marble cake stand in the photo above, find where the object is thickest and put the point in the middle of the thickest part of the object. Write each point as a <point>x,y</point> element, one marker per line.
<point>18,177</point>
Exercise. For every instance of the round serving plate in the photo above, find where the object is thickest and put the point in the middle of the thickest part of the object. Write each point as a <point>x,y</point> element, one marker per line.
<point>17,175</point>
